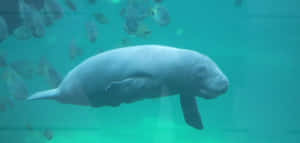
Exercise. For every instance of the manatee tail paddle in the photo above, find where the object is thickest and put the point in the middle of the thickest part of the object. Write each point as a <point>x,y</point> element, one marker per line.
<point>47,94</point>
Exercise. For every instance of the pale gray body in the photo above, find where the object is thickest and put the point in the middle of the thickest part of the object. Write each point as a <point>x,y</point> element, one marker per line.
<point>135,73</point>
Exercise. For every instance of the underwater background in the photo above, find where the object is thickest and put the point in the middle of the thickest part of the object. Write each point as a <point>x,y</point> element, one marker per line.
<point>255,43</point>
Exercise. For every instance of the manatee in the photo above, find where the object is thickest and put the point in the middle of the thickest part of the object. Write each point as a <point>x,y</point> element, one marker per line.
<point>135,73</point>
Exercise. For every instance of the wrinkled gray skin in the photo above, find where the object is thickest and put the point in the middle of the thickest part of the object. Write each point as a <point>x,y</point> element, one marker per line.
<point>130,74</point>
<point>3,29</point>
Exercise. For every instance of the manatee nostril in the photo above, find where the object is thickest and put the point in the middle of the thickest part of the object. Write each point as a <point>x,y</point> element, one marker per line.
<point>225,88</point>
<point>225,85</point>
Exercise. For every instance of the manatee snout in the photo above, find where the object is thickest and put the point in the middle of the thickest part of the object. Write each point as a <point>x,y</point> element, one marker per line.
<point>222,84</point>
<point>216,87</point>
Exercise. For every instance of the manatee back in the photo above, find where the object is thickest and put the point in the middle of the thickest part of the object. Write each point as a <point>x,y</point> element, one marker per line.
<point>93,75</point>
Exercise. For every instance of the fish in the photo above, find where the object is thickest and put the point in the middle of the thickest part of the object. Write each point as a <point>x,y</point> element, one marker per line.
<point>136,10</point>
<point>33,19</point>
<point>158,1</point>
<point>2,107</point>
<point>3,62</point>
<point>143,31</point>
<point>131,26</point>
<point>29,127</point>
<point>54,77</point>
<point>161,15</point>
<point>15,84</point>
<point>74,51</point>
<point>115,77</point>
<point>22,33</point>
<point>92,1</point>
<point>125,41</point>
<point>24,68</point>
<point>71,5</point>
<point>101,18</point>
<point>37,4</point>
<point>92,31</point>
<point>238,3</point>
<point>46,69</point>
<point>6,103</point>
<point>53,7</point>
<point>48,18</point>
<point>137,29</point>
<point>48,134</point>
<point>3,29</point>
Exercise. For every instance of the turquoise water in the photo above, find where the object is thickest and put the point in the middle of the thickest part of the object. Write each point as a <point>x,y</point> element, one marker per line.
<point>255,44</point>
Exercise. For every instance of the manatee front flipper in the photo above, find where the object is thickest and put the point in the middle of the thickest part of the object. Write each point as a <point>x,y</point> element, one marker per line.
<point>190,111</point>
<point>131,89</point>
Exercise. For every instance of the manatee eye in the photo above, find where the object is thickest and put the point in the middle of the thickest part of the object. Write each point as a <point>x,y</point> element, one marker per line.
<point>201,72</point>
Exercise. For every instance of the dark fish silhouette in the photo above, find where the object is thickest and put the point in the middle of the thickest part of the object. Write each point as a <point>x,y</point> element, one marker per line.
<point>15,84</point>
<point>143,31</point>
<point>2,61</point>
<point>92,1</point>
<point>22,33</point>
<point>92,31</point>
<point>29,127</point>
<point>48,18</point>
<point>53,7</point>
<point>2,107</point>
<point>46,69</point>
<point>48,134</point>
<point>101,18</point>
<point>136,10</point>
<point>32,18</point>
<point>238,3</point>
<point>24,68</point>
<point>3,29</point>
<point>158,1</point>
<point>71,5</point>
<point>161,15</point>
<point>131,26</point>
<point>74,51</point>
<point>125,41</point>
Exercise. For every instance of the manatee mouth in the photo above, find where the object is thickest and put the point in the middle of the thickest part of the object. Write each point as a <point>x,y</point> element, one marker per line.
<point>208,94</point>
<point>205,94</point>
<point>215,90</point>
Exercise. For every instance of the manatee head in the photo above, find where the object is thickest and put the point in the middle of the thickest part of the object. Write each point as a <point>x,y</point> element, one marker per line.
<point>206,78</point>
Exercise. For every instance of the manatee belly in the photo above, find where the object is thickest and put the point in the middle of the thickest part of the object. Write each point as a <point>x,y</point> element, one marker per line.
<point>128,90</point>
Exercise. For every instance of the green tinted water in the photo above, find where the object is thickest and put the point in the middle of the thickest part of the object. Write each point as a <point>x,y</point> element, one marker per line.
<point>256,45</point>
